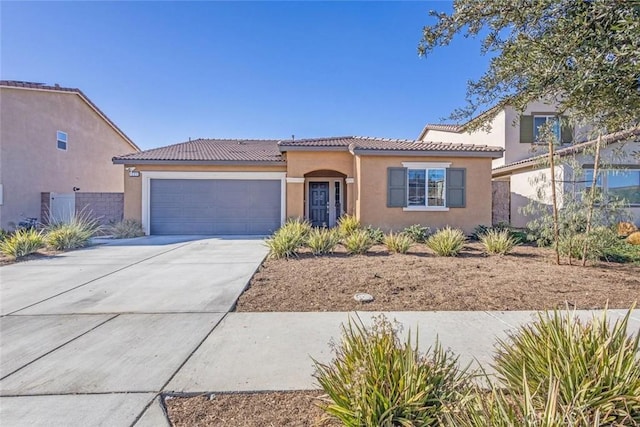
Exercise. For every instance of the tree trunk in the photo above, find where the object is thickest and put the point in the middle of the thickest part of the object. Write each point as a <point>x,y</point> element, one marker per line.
<point>591,200</point>
<point>554,200</point>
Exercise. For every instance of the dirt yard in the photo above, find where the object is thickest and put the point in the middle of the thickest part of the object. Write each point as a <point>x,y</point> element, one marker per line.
<point>527,279</point>
<point>272,409</point>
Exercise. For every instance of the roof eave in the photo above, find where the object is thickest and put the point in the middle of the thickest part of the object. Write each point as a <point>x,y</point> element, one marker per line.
<point>125,161</point>
<point>425,153</point>
<point>285,148</point>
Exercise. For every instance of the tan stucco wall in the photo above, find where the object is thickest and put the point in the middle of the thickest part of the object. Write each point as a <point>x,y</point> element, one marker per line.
<point>371,195</point>
<point>302,162</point>
<point>31,163</point>
<point>133,185</point>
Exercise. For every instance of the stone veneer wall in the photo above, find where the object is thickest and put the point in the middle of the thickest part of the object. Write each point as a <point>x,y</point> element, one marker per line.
<point>501,208</point>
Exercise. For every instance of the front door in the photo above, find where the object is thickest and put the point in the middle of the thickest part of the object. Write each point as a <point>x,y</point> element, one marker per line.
<point>319,204</point>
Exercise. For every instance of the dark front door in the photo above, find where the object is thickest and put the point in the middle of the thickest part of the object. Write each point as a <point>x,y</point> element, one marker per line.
<point>319,204</point>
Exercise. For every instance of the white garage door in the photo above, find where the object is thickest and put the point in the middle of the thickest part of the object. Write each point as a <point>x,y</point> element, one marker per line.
<point>214,206</point>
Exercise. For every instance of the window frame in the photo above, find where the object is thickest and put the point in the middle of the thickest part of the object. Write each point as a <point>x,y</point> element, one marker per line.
<point>426,167</point>
<point>602,180</point>
<point>64,140</point>
<point>546,117</point>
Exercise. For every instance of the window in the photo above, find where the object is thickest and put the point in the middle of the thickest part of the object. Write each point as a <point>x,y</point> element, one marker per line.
<point>540,121</point>
<point>426,187</point>
<point>622,184</point>
<point>61,140</point>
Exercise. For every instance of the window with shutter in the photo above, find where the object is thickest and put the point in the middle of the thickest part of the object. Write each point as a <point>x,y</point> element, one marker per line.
<point>456,187</point>
<point>396,187</point>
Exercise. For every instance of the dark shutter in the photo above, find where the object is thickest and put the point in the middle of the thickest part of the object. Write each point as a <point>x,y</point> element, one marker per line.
<point>396,187</point>
<point>566,133</point>
<point>456,187</point>
<point>526,129</point>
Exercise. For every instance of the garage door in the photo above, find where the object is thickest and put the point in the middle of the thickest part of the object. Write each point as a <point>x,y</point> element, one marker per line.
<point>214,206</point>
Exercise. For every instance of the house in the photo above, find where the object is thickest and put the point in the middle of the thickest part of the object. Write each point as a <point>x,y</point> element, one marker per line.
<point>518,134</point>
<point>214,186</point>
<point>54,140</point>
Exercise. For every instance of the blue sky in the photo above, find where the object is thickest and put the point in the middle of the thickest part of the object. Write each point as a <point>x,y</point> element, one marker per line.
<point>168,71</point>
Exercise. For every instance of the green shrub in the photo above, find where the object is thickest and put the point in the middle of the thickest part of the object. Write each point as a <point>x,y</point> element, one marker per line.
<point>603,244</point>
<point>447,241</point>
<point>592,369</point>
<point>375,380</point>
<point>498,242</point>
<point>358,242</point>
<point>322,240</point>
<point>126,229</point>
<point>417,233</point>
<point>398,243</point>
<point>73,234</point>
<point>286,241</point>
<point>376,234</point>
<point>348,224</point>
<point>21,243</point>
<point>498,408</point>
<point>4,234</point>
<point>518,235</point>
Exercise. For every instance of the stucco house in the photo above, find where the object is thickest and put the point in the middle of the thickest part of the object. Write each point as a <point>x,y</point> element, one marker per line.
<point>53,140</point>
<point>214,186</point>
<point>518,134</point>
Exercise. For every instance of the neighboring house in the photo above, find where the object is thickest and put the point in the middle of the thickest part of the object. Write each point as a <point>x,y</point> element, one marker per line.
<point>53,140</point>
<point>210,186</point>
<point>518,134</point>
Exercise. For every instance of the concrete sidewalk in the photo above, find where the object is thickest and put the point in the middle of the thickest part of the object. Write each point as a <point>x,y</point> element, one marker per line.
<point>94,336</point>
<point>90,337</point>
<point>274,351</point>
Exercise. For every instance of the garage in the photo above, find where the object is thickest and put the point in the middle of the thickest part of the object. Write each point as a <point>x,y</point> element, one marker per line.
<point>215,206</point>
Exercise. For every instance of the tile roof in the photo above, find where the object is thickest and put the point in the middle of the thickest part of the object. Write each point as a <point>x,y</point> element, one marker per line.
<point>57,88</point>
<point>269,150</point>
<point>443,127</point>
<point>462,127</point>
<point>572,149</point>
<point>211,150</point>
<point>363,143</point>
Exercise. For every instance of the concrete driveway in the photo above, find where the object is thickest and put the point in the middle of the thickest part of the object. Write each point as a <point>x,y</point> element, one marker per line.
<point>91,337</point>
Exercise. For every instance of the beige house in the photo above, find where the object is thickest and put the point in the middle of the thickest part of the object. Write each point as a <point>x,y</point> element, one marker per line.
<point>212,186</point>
<point>514,173</point>
<point>53,139</point>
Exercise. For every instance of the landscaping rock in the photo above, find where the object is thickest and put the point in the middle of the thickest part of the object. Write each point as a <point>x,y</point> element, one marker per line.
<point>362,297</point>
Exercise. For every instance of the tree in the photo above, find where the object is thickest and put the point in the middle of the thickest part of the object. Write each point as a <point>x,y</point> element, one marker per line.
<point>582,54</point>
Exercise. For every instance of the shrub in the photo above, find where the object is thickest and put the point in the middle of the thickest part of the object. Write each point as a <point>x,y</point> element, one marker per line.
<point>21,243</point>
<point>348,224</point>
<point>376,234</point>
<point>399,243</point>
<point>322,241</point>
<point>417,233</point>
<point>603,244</point>
<point>498,242</point>
<point>358,242</point>
<point>4,234</point>
<point>626,228</point>
<point>288,239</point>
<point>375,380</point>
<point>634,238</point>
<point>73,234</point>
<point>447,241</point>
<point>127,229</point>
<point>590,368</point>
